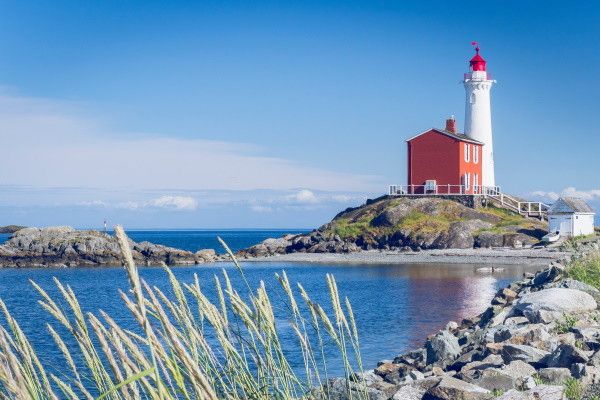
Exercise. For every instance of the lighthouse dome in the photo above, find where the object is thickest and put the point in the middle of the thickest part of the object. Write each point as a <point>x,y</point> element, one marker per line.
<point>477,62</point>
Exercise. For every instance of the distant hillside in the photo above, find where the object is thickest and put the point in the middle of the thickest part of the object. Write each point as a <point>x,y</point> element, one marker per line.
<point>411,224</point>
<point>10,228</point>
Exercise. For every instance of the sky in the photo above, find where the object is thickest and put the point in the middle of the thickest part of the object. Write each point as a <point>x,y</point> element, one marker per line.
<point>277,114</point>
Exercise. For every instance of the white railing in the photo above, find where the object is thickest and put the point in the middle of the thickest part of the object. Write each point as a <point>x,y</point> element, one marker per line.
<point>442,190</point>
<point>493,193</point>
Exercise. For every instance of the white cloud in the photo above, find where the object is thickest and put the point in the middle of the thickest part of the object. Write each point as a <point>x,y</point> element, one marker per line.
<point>183,203</point>
<point>303,196</point>
<point>589,195</point>
<point>54,144</point>
<point>175,202</point>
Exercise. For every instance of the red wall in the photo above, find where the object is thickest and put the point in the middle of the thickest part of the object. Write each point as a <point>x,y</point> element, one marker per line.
<point>433,155</point>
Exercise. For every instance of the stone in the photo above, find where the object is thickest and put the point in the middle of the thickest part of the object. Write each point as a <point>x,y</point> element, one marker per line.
<point>416,375</point>
<point>554,302</point>
<point>455,389</point>
<point>547,275</point>
<point>584,287</point>
<point>565,355</point>
<point>408,392</point>
<point>443,347</point>
<point>207,255</point>
<point>515,321</point>
<point>495,379</point>
<point>540,392</point>
<point>528,354</point>
<point>342,389</point>
<point>451,326</point>
<point>519,369</point>
<point>554,376</point>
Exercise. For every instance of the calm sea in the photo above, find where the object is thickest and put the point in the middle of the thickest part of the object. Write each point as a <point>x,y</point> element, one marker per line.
<point>396,306</point>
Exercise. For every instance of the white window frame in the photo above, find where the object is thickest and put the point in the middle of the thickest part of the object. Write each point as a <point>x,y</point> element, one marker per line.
<point>475,181</point>
<point>475,154</point>
<point>467,180</point>
<point>467,152</point>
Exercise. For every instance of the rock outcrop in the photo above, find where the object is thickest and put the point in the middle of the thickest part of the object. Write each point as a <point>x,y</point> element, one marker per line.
<point>539,335</point>
<point>65,246</point>
<point>410,224</point>
<point>10,228</point>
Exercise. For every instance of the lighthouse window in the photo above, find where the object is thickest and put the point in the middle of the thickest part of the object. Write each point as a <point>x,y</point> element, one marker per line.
<point>475,154</point>
<point>472,98</point>
<point>467,152</point>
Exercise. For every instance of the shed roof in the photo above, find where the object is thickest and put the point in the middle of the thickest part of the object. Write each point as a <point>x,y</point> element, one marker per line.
<point>570,205</point>
<point>455,135</point>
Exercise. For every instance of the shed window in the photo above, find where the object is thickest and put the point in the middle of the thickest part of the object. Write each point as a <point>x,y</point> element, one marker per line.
<point>467,152</point>
<point>475,154</point>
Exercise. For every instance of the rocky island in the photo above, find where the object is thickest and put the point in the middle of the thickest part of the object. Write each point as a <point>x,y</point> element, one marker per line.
<point>409,224</point>
<point>67,247</point>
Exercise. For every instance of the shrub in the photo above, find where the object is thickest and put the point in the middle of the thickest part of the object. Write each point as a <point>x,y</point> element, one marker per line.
<point>586,269</point>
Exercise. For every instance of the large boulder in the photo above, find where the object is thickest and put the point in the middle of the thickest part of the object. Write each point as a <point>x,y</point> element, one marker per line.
<point>454,389</point>
<point>528,354</point>
<point>442,348</point>
<point>553,303</point>
<point>541,392</point>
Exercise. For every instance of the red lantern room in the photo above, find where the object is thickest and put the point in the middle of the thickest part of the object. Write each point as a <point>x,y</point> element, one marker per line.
<point>477,62</point>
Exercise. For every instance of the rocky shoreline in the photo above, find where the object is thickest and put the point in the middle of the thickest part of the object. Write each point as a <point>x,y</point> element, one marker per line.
<point>497,256</point>
<point>67,247</point>
<point>538,339</point>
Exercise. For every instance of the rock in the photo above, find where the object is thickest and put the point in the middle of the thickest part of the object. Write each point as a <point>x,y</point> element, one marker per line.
<point>65,246</point>
<point>455,389</point>
<point>565,355</point>
<point>547,275</point>
<point>495,379</point>
<point>541,392</point>
<point>554,376</point>
<point>408,392</point>
<point>584,287</point>
<point>555,302</point>
<point>343,389</point>
<point>515,321</point>
<point>416,375</point>
<point>528,354</point>
<point>442,347</point>
<point>206,255</point>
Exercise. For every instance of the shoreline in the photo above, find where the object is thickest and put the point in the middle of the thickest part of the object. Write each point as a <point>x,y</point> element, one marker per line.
<point>505,256</point>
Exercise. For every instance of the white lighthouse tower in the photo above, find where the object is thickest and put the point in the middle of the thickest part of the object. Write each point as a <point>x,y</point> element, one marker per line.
<point>478,115</point>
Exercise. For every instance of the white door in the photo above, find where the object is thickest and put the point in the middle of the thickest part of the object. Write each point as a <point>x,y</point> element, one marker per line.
<point>565,227</point>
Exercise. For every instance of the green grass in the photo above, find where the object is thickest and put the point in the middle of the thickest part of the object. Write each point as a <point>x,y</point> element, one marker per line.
<point>168,356</point>
<point>586,269</point>
<point>566,324</point>
<point>573,389</point>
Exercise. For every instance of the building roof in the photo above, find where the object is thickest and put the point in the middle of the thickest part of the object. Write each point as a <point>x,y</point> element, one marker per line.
<point>570,205</point>
<point>455,135</point>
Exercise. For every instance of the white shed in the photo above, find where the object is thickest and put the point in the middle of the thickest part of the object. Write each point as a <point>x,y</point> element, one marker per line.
<point>571,216</point>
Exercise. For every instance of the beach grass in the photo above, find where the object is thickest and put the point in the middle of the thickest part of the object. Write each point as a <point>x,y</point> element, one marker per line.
<point>186,346</point>
<point>586,269</point>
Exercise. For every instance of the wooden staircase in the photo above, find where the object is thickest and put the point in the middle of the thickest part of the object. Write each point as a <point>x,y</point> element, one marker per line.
<point>533,209</point>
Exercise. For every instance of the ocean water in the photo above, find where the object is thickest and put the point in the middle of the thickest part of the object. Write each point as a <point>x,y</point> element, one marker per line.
<point>396,306</point>
<point>194,240</point>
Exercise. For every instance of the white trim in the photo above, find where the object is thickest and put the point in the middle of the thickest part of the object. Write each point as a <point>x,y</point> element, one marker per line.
<point>467,149</point>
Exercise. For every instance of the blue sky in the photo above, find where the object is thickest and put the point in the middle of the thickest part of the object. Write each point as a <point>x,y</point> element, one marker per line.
<point>277,114</point>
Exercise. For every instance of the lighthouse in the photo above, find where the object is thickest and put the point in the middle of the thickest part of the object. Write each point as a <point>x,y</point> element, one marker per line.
<point>478,115</point>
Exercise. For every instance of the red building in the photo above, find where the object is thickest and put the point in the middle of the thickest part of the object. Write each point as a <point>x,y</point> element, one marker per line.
<point>444,161</point>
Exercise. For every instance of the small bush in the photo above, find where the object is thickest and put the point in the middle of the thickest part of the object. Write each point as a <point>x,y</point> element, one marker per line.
<point>566,324</point>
